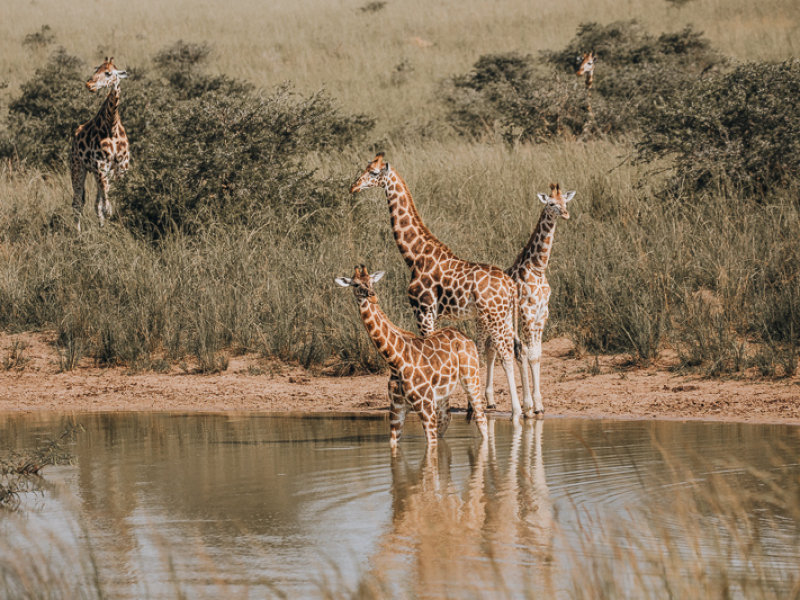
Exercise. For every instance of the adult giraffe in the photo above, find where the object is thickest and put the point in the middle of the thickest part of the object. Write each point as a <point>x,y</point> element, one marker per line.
<point>528,271</point>
<point>100,146</point>
<point>443,286</point>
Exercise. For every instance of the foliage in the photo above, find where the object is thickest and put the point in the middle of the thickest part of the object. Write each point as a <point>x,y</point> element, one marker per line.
<point>541,99</point>
<point>203,147</point>
<point>43,37</point>
<point>48,110</point>
<point>740,129</point>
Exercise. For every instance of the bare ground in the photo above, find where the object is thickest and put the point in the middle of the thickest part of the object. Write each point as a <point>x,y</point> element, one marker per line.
<point>31,381</point>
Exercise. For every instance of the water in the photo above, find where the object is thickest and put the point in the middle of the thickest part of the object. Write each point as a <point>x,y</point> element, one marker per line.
<point>253,505</point>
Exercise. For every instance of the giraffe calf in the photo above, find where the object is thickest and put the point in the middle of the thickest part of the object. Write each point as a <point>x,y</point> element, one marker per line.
<point>424,371</point>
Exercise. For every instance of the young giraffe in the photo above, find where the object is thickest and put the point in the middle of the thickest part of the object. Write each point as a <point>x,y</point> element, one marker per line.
<point>528,271</point>
<point>100,145</point>
<point>424,371</point>
<point>445,287</point>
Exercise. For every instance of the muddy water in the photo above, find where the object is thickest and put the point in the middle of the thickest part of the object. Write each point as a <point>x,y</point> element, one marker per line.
<point>248,505</point>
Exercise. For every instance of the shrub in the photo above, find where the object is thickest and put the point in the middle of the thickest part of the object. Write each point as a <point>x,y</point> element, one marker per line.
<point>203,147</point>
<point>739,129</point>
<point>540,99</point>
<point>49,108</point>
<point>230,158</point>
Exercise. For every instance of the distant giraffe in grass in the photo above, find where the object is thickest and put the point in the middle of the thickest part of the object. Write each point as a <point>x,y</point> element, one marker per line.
<point>528,271</point>
<point>586,68</point>
<point>443,286</point>
<point>424,371</point>
<point>100,145</point>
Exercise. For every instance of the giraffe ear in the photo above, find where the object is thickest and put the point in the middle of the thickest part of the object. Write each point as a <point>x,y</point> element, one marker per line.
<point>568,196</point>
<point>544,198</point>
<point>122,74</point>
<point>376,276</point>
<point>343,281</point>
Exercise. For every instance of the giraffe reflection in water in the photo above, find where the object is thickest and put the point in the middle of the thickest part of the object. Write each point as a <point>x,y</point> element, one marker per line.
<point>497,529</point>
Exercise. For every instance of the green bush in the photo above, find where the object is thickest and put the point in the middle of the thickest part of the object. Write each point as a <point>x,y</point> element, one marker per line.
<point>530,99</point>
<point>740,129</point>
<point>204,148</point>
<point>49,108</point>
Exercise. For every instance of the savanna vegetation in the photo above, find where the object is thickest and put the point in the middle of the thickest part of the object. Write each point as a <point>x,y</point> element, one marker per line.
<point>247,123</point>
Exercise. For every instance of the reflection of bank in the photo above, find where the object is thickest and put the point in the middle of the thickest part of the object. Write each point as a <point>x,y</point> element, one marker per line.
<point>492,532</point>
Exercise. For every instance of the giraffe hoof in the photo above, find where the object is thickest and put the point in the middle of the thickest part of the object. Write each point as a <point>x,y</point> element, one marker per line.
<point>491,407</point>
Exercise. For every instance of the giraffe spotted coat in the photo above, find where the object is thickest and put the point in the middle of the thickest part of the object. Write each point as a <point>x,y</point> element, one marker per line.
<point>424,371</point>
<point>443,286</point>
<point>100,146</point>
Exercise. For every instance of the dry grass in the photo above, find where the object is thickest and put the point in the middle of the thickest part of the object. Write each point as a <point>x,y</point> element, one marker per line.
<point>354,54</point>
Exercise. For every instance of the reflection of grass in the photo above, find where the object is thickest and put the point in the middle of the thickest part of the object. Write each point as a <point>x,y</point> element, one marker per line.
<point>661,554</point>
<point>662,551</point>
<point>19,472</point>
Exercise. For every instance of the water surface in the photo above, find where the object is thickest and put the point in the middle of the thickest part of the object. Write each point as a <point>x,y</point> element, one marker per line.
<point>251,505</point>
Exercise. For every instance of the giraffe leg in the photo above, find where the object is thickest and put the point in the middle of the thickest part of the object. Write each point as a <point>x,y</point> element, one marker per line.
<point>508,368</point>
<point>102,196</point>
<point>78,187</point>
<point>426,409</point>
<point>534,359</point>
<point>491,355</point>
<point>397,412</point>
<point>527,398</point>
<point>442,417</point>
<point>471,382</point>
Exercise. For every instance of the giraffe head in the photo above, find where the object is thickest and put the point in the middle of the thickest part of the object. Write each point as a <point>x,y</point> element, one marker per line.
<point>106,75</point>
<point>373,176</point>
<point>586,64</point>
<point>362,284</point>
<point>556,201</point>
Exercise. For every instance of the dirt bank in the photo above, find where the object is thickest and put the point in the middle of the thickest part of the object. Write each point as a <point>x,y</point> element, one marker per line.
<point>572,387</point>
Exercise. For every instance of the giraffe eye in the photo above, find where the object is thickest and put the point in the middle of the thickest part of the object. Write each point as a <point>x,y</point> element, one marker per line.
<point>375,173</point>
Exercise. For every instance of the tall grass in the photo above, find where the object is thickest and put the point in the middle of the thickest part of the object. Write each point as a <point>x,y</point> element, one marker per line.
<point>355,54</point>
<point>715,275</point>
<point>631,272</point>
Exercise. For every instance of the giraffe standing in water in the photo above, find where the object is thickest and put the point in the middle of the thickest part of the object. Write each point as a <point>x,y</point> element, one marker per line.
<point>528,271</point>
<point>424,371</point>
<point>100,145</point>
<point>444,286</point>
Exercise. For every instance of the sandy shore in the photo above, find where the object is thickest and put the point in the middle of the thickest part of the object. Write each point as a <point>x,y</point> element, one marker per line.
<point>571,387</point>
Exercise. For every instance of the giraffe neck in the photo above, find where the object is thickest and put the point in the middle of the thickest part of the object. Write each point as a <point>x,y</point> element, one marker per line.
<point>410,232</point>
<point>387,337</point>
<point>589,79</point>
<point>533,259</point>
<point>109,114</point>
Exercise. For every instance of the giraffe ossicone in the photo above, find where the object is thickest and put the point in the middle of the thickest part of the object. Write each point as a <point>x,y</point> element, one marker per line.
<point>443,286</point>
<point>528,272</point>
<point>424,372</point>
<point>100,146</point>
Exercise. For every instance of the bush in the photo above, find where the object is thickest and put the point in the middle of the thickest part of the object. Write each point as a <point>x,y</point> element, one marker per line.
<point>49,108</point>
<point>204,148</point>
<point>529,99</point>
<point>739,129</point>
